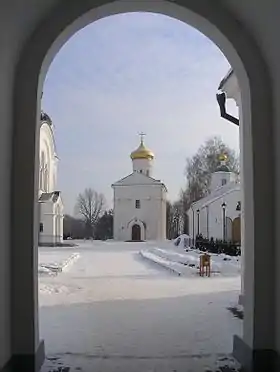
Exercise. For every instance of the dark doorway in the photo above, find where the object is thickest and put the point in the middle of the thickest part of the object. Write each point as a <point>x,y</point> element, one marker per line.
<point>136,233</point>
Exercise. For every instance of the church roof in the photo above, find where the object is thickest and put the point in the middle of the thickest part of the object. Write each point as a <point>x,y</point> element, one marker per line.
<point>49,196</point>
<point>45,118</point>
<point>225,79</point>
<point>223,168</point>
<point>216,194</point>
<point>140,178</point>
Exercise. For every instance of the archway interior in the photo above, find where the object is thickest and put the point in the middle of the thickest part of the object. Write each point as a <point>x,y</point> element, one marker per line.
<point>136,229</point>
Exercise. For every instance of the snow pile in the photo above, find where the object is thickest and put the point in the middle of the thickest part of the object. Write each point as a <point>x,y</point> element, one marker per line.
<point>170,265</point>
<point>186,262</point>
<point>57,288</point>
<point>53,268</point>
<point>183,241</point>
<point>50,289</point>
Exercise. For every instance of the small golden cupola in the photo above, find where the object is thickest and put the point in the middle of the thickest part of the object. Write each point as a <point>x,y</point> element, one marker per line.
<point>142,152</point>
<point>223,158</point>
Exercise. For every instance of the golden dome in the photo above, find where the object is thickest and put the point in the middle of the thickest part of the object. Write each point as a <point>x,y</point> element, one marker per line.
<point>142,152</point>
<point>223,157</point>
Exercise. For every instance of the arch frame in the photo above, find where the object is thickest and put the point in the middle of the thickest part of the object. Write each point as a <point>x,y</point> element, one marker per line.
<point>231,36</point>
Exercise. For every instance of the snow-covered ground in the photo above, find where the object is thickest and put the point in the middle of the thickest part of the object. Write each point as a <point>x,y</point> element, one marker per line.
<point>113,310</point>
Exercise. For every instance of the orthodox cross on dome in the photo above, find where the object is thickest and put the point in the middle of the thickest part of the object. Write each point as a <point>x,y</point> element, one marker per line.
<point>141,134</point>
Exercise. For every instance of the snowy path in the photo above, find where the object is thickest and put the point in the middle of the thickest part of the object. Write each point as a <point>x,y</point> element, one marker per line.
<point>114,311</point>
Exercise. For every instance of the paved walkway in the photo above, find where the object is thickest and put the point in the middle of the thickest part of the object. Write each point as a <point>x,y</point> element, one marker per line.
<point>113,311</point>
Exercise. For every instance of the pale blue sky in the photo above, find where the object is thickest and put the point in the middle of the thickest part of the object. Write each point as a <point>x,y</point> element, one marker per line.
<point>125,74</point>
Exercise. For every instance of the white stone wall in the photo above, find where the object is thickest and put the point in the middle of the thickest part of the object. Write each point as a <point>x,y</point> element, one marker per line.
<point>51,214</point>
<point>218,178</point>
<point>231,88</point>
<point>51,218</point>
<point>48,159</point>
<point>144,166</point>
<point>152,211</point>
<point>47,219</point>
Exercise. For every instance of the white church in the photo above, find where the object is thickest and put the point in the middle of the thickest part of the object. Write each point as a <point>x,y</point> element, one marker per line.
<point>218,215</point>
<point>50,202</point>
<point>140,201</point>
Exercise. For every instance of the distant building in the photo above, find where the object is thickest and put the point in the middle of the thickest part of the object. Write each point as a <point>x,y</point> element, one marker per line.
<point>218,214</point>
<point>50,202</point>
<point>140,201</point>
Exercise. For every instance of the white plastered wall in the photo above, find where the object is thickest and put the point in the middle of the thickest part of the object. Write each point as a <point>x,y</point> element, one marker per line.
<point>214,226</point>
<point>143,165</point>
<point>152,211</point>
<point>47,147</point>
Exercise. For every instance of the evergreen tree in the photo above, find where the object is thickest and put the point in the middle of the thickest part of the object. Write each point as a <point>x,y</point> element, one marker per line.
<point>104,226</point>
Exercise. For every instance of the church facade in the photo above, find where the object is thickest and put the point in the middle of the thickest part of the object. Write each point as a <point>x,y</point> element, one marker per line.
<point>50,202</point>
<point>218,215</point>
<point>140,201</point>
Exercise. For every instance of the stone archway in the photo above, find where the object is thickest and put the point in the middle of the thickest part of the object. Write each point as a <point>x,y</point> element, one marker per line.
<point>136,232</point>
<point>53,29</point>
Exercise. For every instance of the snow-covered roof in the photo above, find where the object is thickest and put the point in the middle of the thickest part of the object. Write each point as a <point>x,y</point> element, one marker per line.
<point>45,118</point>
<point>225,79</point>
<point>223,168</point>
<point>143,179</point>
<point>216,194</point>
<point>49,196</point>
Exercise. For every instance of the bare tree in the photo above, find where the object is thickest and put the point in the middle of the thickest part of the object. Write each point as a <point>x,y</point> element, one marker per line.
<point>174,219</point>
<point>90,205</point>
<point>201,166</point>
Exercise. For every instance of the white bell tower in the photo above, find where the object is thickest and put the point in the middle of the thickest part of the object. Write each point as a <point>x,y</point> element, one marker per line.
<point>142,158</point>
<point>222,176</point>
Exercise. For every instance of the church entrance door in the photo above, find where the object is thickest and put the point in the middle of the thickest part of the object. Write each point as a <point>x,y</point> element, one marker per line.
<point>236,230</point>
<point>229,229</point>
<point>136,232</point>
